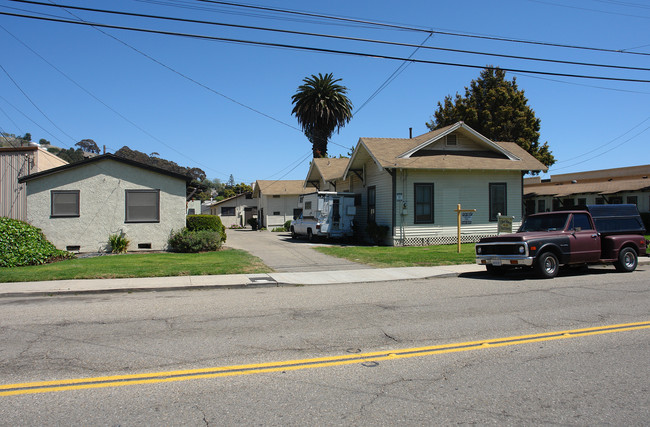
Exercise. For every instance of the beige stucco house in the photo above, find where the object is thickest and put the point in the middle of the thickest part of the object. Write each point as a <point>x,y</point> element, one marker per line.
<point>413,186</point>
<point>599,187</point>
<point>79,205</point>
<point>15,163</point>
<point>236,210</point>
<point>277,201</point>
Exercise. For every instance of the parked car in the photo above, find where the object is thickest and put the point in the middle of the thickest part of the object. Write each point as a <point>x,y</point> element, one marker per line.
<point>325,214</point>
<point>600,234</point>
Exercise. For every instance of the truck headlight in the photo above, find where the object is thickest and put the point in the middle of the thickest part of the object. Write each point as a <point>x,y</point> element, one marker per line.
<point>522,249</point>
<point>479,250</point>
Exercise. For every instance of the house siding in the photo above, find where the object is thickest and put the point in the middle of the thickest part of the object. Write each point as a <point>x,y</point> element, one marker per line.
<point>470,189</point>
<point>101,189</point>
<point>283,204</point>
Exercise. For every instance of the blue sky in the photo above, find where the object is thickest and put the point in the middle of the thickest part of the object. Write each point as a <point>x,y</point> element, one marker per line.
<point>226,107</point>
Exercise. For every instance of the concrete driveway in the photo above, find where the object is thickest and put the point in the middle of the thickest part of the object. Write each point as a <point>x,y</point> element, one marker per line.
<point>280,252</point>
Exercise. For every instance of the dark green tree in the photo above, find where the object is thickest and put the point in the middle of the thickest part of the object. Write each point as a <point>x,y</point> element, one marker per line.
<point>321,107</point>
<point>71,155</point>
<point>88,145</point>
<point>44,141</point>
<point>497,109</point>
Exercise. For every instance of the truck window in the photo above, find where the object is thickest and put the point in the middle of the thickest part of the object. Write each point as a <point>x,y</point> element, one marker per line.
<point>581,222</point>
<point>552,222</point>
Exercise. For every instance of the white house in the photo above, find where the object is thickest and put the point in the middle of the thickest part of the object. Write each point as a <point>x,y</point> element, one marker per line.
<point>278,201</point>
<point>413,186</point>
<point>79,205</point>
<point>236,210</point>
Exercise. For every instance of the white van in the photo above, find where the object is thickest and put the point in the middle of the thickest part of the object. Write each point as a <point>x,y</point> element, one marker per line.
<point>325,213</point>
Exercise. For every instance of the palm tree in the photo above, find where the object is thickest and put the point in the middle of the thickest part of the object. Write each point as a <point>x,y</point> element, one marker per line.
<point>321,107</point>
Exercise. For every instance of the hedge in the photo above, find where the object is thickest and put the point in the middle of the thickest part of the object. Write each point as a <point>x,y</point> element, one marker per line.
<point>23,244</point>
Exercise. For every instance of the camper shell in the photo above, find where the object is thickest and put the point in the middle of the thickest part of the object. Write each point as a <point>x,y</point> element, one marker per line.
<point>325,214</point>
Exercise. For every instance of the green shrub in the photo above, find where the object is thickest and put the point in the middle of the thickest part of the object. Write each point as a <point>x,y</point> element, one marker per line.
<point>23,244</point>
<point>253,223</point>
<point>278,229</point>
<point>189,241</point>
<point>119,243</point>
<point>287,225</point>
<point>206,222</point>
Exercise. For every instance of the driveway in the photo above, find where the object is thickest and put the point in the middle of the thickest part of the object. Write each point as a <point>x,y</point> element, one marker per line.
<point>280,252</point>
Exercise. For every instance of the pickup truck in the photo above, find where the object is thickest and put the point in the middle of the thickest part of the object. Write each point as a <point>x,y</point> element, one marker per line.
<point>545,241</point>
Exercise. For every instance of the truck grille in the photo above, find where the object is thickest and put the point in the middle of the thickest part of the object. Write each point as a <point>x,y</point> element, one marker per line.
<point>510,249</point>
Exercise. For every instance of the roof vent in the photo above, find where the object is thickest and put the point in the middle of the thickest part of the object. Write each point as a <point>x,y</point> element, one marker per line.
<point>451,140</point>
<point>574,182</point>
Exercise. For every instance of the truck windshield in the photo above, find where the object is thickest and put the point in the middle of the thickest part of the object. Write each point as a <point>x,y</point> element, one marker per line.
<point>545,222</point>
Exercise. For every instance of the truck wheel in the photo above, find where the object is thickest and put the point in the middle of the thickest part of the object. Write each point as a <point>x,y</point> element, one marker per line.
<point>627,260</point>
<point>293,233</point>
<point>495,271</point>
<point>310,235</point>
<point>547,265</point>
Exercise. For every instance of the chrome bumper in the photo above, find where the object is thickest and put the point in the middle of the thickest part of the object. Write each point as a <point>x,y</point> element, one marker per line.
<point>501,260</point>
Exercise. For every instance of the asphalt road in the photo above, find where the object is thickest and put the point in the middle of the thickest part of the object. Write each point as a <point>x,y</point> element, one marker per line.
<point>241,340</point>
<point>284,254</point>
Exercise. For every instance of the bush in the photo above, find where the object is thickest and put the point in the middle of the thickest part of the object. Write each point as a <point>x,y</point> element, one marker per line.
<point>287,225</point>
<point>188,241</point>
<point>119,243</point>
<point>23,244</point>
<point>206,222</point>
<point>278,229</point>
<point>253,223</point>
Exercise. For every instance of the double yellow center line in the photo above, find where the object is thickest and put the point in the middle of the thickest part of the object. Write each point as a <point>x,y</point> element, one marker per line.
<point>225,371</point>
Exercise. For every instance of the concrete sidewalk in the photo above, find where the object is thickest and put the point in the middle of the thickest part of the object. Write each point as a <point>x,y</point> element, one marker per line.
<point>228,281</point>
<point>62,287</point>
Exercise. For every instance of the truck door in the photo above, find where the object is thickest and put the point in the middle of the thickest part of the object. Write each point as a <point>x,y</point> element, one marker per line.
<point>585,240</point>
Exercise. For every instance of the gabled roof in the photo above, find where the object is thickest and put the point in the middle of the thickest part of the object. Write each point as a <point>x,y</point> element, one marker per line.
<point>229,199</point>
<point>327,169</point>
<point>402,153</point>
<point>280,188</point>
<point>604,181</point>
<point>101,158</point>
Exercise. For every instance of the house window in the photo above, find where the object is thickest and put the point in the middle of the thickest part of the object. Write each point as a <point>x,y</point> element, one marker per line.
<point>498,203</point>
<point>191,211</point>
<point>582,202</point>
<point>372,204</point>
<point>142,205</point>
<point>65,203</point>
<point>600,201</point>
<point>616,200</point>
<point>296,213</point>
<point>308,205</point>
<point>423,204</point>
<point>227,211</point>
<point>276,213</point>
<point>568,203</point>
<point>276,196</point>
<point>452,141</point>
<point>541,206</point>
<point>632,200</point>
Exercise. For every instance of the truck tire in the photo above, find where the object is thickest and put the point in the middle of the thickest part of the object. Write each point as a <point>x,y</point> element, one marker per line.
<point>627,260</point>
<point>293,233</point>
<point>310,235</point>
<point>547,265</point>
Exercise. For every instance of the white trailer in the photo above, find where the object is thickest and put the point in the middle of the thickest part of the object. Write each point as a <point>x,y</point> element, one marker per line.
<point>326,214</point>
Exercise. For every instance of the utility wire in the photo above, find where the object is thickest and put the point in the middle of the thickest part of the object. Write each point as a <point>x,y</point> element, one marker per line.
<point>34,104</point>
<point>322,50</point>
<point>413,28</point>
<point>336,37</point>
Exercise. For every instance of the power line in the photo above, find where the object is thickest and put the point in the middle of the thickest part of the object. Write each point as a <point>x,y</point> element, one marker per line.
<point>322,50</point>
<point>413,28</point>
<point>336,37</point>
<point>33,103</point>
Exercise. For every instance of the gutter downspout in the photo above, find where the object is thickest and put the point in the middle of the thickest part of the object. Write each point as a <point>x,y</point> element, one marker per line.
<point>393,175</point>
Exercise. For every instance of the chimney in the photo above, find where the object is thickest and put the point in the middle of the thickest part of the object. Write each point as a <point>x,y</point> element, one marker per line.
<point>410,133</point>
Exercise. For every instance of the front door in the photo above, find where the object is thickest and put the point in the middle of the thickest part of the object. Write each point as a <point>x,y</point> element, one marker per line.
<point>585,240</point>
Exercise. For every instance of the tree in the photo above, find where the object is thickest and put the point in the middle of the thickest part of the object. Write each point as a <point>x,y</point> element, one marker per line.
<point>497,109</point>
<point>44,141</point>
<point>321,107</point>
<point>88,145</point>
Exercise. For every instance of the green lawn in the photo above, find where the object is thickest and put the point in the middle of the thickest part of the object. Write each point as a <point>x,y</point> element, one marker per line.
<point>410,256</point>
<point>227,261</point>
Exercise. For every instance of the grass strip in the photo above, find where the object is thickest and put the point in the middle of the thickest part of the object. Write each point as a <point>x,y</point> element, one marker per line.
<point>408,256</point>
<point>226,261</point>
